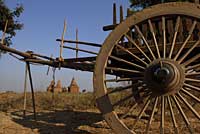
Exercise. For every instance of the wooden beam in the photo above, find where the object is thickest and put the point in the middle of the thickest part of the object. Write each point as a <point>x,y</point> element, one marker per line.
<point>109,27</point>
<point>81,42</point>
<point>82,50</point>
<point>25,90</point>
<point>27,57</point>
<point>62,39</point>
<point>121,14</point>
<point>22,54</point>
<point>114,14</point>
<point>32,90</point>
<point>4,32</point>
<point>81,59</point>
<point>77,43</point>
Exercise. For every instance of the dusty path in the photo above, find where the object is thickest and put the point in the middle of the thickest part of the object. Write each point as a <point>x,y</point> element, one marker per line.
<point>67,120</point>
<point>51,122</point>
<point>54,122</point>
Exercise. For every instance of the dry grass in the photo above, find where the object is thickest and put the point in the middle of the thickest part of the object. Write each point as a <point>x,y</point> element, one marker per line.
<point>74,113</point>
<point>50,101</point>
<point>47,101</point>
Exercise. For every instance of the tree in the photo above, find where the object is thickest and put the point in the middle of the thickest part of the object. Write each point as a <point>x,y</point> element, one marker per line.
<point>140,4</point>
<point>11,16</point>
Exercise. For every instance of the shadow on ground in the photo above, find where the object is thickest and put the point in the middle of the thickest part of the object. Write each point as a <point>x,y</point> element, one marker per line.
<point>61,122</point>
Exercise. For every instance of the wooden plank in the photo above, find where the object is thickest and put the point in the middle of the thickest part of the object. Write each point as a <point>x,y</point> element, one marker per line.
<point>81,42</point>
<point>198,28</point>
<point>180,37</point>
<point>144,31</point>
<point>160,33</point>
<point>189,25</point>
<point>170,31</point>
<point>80,59</point>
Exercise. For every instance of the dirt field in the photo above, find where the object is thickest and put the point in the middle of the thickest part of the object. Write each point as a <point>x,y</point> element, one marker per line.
<point>52,122</point>
<point>63,119</point>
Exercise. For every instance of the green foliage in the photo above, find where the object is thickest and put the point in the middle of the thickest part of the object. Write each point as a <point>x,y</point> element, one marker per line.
<point>13,23</point>
<point>140,4</point>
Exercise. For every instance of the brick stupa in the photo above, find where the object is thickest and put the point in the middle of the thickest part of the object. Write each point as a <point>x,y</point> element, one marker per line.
<point>73,88</point>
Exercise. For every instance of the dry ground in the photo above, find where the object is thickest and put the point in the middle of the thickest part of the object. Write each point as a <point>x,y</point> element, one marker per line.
<point>63,118</point>
<point>54,122</point>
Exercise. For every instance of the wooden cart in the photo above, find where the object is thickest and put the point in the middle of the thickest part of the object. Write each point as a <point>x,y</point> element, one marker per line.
<point>156,53</point>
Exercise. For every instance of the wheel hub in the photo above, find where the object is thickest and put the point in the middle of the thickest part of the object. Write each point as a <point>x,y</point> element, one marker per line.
<point>164,77</point>
<point>162,74</point>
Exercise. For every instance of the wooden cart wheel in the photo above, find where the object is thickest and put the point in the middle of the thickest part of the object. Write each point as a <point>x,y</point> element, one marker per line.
<point>154,58</point>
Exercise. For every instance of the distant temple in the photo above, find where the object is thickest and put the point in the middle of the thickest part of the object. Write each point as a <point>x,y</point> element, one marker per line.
<point>50,88</point>
<point>58,87</point>
<point>73,88</point>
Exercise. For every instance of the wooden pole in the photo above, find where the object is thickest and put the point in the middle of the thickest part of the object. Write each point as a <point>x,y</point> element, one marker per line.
<point>53,93</point>
<point>121,14</point>
<point>4,32</point>
<point>62,44</point>
<point>82,50</point>
<point>32,90</point>
<point>62,39</point>
<point>25,89</point>
<point>114,14</point>
<point>76,43</point>
<point>128,12</point>
<point>49,66</point>
<point>121,19</point>
<point>81,42</point>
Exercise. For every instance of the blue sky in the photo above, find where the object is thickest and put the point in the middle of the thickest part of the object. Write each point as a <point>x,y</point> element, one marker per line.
<point>43,24</point>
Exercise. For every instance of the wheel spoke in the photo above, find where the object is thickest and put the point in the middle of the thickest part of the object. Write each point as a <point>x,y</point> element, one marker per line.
<point>154,37</point>
<point>191,60</point>
<point>192,87</point>
<point>125,70</point>
<point>127,62</point>
<point>123,100</point>
<point>182,114</point>
<point>138,47</point>
<point>145,41</point>
<point>124,79</point>
<point>192,80</point>
<point>142,111</point>
<point>129,111</point>
<point>192,74</point>
<point>152,114</point>
<point>133,55</point>
<point>172,115</point>
<point>175,35</point>
<point>193,67</point>
<point>162,121</point>
<point>189,51</point>
<point>189,106</point>
<point>187,39</point>
<point>191,95</point>
<point>164,37</point>
<point>119,89</point>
